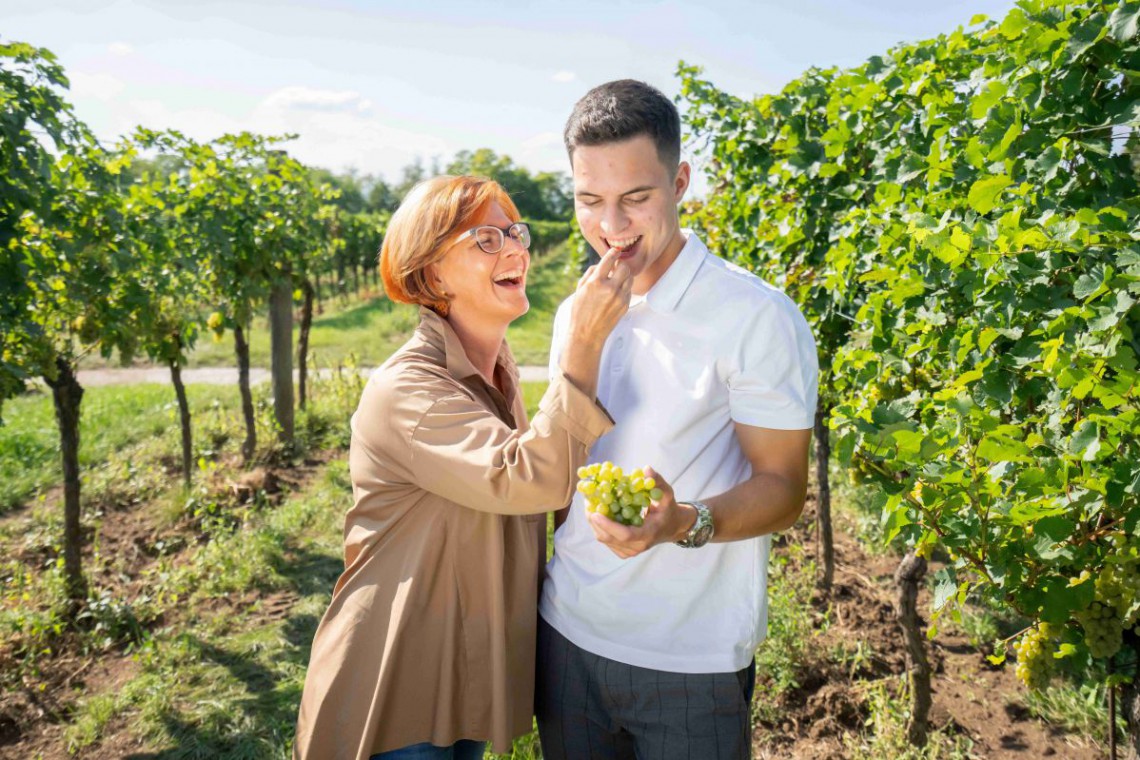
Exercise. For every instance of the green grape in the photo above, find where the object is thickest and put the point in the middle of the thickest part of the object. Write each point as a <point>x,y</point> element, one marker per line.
<point>609,491</point>
<point>1035,660</point>
<point>1118,586</point>
<point>1104,630</point>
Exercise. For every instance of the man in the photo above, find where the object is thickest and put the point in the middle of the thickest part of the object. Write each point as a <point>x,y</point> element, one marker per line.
<point>647,634</point>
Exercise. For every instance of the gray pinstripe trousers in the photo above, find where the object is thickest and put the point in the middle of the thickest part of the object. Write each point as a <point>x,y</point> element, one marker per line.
<point>592,708</point>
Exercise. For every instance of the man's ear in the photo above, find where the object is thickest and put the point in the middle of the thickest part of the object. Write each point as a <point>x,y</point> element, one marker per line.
<point>681,181</point>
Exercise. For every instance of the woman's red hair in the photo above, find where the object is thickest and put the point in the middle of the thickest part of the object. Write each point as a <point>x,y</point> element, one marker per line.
<point>431,216</point>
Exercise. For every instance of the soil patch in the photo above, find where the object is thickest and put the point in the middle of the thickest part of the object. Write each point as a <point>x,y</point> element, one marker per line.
<point>971,697</point>
<point>37,705</point>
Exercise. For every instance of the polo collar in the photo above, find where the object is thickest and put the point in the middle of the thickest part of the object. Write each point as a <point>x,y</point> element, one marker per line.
<point>666,293</point>
<point>458,365</point>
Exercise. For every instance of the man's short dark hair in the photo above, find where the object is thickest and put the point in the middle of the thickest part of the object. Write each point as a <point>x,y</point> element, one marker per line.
<point>622,110</point>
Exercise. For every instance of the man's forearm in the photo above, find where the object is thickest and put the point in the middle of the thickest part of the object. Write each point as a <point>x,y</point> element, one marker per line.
<point>765,503</point>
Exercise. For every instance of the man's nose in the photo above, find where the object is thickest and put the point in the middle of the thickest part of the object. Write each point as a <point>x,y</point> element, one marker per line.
<point>613,220</point>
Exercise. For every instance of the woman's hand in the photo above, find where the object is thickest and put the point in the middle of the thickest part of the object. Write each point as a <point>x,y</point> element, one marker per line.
<point>601,300</point>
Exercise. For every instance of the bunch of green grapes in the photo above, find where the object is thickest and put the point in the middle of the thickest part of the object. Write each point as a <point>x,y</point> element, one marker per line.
<point>1118,586</point>
<point>613,494</point>
<point>1103,629</point>
<point>1035,656</point>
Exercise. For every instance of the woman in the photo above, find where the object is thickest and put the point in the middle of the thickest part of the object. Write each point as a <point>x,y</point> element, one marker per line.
<point>427,648</point>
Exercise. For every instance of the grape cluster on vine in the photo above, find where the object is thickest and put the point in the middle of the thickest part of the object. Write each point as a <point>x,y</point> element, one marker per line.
<point>1118,586</point>
<point>1103,629</point>
<point>1035,661</point>
<point>613,494</point>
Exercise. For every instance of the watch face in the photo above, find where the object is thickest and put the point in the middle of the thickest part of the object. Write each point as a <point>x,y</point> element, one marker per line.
<point>703,534</point>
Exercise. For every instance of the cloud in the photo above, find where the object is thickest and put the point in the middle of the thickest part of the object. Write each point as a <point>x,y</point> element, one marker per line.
<point>564,76</point>
<point>198,123</point>
<point>95,86</point>
<point>120,49</point>
<point>543,151</point>
<point>340,129</point>
<point>336,130</point>
<point>542,140</point>
<point>299,98</point>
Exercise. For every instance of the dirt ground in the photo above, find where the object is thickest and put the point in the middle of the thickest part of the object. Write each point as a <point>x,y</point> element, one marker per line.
<point>35,712</point>
<point>971,696</point>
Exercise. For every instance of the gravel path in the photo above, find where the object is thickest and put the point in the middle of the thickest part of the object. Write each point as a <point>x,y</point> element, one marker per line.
<point>92,378</point>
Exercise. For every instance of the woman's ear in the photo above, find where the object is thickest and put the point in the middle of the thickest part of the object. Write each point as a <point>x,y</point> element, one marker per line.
<point>436,279</point>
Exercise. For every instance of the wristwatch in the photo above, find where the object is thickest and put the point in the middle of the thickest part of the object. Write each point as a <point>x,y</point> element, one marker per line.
<point>702,531</point>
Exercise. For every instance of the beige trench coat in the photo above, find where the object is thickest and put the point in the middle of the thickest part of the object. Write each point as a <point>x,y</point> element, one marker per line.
<point>430,632</point>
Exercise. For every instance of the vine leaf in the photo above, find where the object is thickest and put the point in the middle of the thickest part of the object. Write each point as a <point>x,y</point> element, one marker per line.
<point>1123,22</point>
<point>984,193</point>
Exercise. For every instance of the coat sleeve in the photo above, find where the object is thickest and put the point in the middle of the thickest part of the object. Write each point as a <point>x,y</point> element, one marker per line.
<point>455,447</point>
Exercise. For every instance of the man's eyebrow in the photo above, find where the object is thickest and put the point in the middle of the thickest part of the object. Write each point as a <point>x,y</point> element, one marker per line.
<point>641,189</point>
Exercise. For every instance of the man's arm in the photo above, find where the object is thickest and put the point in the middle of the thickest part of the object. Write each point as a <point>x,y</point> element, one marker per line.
<point>771,500</point>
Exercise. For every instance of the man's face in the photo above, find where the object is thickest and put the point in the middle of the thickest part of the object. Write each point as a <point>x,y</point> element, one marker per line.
<point>625,198</point>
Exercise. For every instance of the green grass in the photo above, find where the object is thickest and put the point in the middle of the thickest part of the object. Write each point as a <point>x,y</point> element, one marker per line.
<point>788,650</point>
<point>1081,709</point>
<point>228,684</point>
<point>549,282</point>
<point>371,330</point>
<point>113,420</point>
<point>885,734</point>
<point>214,680</point>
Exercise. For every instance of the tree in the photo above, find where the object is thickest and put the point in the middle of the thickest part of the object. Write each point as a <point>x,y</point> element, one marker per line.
<point>67,260</point>
<point>980,241</point>
<point>161,210</point>
<point>545,199</point>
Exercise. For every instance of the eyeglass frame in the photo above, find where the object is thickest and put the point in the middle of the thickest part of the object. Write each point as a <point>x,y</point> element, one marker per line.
<point>503,235</point>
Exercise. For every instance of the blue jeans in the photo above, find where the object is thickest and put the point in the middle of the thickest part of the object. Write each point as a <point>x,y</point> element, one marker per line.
<point>464,749</point>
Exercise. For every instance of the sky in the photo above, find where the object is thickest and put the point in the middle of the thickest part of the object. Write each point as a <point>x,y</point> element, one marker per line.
<point>372,86</point>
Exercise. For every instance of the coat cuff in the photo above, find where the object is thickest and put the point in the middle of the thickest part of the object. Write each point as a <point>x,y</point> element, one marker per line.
<point>565,404</point>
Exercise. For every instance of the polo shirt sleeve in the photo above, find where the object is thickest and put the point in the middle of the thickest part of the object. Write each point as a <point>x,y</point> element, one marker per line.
<point>561,317</point>
<point>774,379</point>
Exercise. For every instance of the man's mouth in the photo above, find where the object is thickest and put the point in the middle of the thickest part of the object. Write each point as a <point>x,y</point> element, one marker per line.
<point>624,246</point>
<point>514,278</point>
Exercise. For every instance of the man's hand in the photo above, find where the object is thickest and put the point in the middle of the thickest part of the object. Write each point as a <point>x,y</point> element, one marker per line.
<point>665,521</point>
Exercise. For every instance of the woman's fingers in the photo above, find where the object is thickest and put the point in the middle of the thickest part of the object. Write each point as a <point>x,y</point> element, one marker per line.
<point>606,265</point>
<point>587,274</point>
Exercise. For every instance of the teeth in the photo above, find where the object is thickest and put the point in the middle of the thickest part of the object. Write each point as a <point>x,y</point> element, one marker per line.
<point>509,275</point>
<point>622,244</point>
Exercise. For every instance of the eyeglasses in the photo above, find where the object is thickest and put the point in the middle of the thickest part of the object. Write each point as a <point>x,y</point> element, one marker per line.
<point>492,239</point>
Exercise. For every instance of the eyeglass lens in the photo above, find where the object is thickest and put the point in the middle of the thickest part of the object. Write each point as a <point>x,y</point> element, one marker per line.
<point>492,240</point>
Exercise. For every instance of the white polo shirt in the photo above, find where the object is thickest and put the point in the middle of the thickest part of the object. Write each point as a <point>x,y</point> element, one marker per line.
<point>708,346</point>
